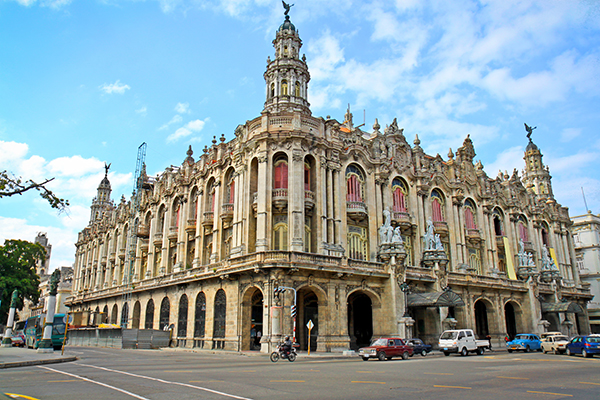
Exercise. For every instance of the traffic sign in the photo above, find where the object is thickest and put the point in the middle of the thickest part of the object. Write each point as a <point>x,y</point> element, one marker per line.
<point>310,324</point>
<point>70,317</point>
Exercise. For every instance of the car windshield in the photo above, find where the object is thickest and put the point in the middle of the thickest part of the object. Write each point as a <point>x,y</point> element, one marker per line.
<point>560,338</point>
<point>593,340</point>
<point>379,342</point>
<point>448,335</point>
<point>521,337</point>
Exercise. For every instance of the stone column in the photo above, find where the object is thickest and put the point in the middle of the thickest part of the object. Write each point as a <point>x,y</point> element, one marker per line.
<point>261,206</point>
<point>45,345</point>
<point>296,201</point>
<point>7,341</point>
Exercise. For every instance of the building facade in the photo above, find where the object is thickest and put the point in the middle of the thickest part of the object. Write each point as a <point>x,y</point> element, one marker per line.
<point>586,235</point>
<point>370,236</point>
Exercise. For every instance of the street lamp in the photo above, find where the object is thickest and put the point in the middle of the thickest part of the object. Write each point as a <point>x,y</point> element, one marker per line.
<point>406,290</point>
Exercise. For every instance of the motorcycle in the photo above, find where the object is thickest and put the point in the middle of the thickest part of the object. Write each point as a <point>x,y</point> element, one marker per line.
<point>280,353</point>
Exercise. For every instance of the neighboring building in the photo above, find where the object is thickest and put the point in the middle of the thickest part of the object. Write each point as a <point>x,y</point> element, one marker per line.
<point>377,237</point>
<point>586,235</point>
<point>42,268</point>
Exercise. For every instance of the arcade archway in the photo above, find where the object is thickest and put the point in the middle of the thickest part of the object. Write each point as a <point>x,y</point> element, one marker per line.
<point>360,320</point>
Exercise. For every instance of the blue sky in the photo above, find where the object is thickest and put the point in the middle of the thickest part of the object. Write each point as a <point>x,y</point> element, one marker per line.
<point>83,82</point>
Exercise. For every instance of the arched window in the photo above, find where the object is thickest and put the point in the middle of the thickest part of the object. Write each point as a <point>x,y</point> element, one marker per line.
<point>272,90</point>
<point>522,228</point>
<point>280,236</point>
<point>358,245</point>
<point>229,188</point>
<point>297,89</point>
<point>125,315</point>
<point>354,184</point>
<point>149,315</point>
<point>200,315</point>
<point>545,240</point>
<point>183,315</point>
<point>281,175</point>
<point>498,225</point>
<point>306,176</point>
<point>284,88</point>
<point>220,314</point>
<point>285,51</point>
<point>165,311</point>
<point>437,207</point>
<point>399,192</point>
<point>470,214</point>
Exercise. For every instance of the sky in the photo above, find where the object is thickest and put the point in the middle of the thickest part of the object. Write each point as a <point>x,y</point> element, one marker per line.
<point>84,82</point>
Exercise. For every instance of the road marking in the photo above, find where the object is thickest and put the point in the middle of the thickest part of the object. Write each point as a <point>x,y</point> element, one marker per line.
<point>379,383</point>
<point>555,394</point>
<point>64,380</point>
<point>287,381</point>
<point>437,373</point>
<point>20,396</point>
<point>204,381</point>
<point>451,387</point>
<point>165,381</point>
<point>306,370</point>
<point>489,357</point>
<point>370,372</point>
<point>235,372</point>
<point>97,383</point>
<point>590,383</point>
<point>511,377</point>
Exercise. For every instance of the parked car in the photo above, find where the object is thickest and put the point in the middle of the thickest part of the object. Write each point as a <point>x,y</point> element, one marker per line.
<point>461,341</point>
<point>18,334</point>
<point>525,342</point>
<point>557,344</point>
<point>418,346</point>
<point>545,335</point>
<point>386,348</point>
<point>587,345</point>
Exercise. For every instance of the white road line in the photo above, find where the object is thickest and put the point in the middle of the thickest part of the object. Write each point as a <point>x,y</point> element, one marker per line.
<point>97,383</point>
<point>165,381</point>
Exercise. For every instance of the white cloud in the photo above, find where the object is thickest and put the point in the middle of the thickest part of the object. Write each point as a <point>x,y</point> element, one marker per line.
<point>175,120</point>
<point>116,87</point>
<point>10,151</point>
<point>187,130</point>
<point>55,3</point>
<point>182,108</point>
<point>142,111</point>
<point>506,161</point>
<point>74,166</point>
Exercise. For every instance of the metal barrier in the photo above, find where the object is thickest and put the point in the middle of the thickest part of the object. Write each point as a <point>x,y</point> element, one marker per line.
<point>119,338</point>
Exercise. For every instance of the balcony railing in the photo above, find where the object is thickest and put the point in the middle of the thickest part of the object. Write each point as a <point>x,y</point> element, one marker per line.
<point>190,227</point>
<point>473,233</point>
<point>309,200</point>
<point>357,210</point>
<point>227,211</point>
<point>143,231</point>
<point>401,217</point>
<point>208,218</point>
<point>280,198</point>
<point>158,238</point>
<point>440,226</point>
<point>173,233</point>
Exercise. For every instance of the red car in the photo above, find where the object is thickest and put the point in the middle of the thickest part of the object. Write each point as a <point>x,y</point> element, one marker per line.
<point>386,348</point>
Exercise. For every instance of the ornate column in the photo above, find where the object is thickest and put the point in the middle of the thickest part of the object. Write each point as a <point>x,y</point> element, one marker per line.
<point>7,341</point>
<point>296,201</point>
<point>261,210</point>
<point>45,345</point>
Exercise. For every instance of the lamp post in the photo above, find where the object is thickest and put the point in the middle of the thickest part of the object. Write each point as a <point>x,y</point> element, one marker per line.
<point>281,289</point>
<point>406,290</point>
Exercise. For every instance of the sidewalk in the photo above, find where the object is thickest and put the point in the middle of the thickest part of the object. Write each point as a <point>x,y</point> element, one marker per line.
<point>12,357</point>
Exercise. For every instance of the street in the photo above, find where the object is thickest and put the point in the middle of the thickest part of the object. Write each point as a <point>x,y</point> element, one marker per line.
<point>168,374</point>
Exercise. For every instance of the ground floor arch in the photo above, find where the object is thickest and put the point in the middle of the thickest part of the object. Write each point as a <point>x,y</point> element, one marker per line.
<point>482,328</point>
<point>135,321</point>
<point>513,319</point>
<point>308,310</point>
<point>252,326</point>
<point>360,319</point>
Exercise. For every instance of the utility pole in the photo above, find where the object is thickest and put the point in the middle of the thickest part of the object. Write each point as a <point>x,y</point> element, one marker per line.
<point>281,289</point>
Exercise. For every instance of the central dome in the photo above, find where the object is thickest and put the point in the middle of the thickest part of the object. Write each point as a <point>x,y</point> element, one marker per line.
<point>287,24</point>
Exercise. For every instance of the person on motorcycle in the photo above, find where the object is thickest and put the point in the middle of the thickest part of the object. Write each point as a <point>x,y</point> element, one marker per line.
<point>287,346</point>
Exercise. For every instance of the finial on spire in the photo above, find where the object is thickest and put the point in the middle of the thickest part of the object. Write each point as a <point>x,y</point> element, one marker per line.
<point>529,131</point>
<point>287,7</point>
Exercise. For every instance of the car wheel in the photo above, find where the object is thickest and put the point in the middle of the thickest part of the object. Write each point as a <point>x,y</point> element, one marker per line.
<point>381,356</point>
<point>464,351</point>
<point>446,353</point>
<point>423,353</point>
<point>527,349</point>
<point>479,351</point>
<point>365,358</point>
<point>555,352</point>
<point>544,351</point>
<point>569,352</point>
<point>405,355</point>
<point>584,354</point>
<point>510,351</point>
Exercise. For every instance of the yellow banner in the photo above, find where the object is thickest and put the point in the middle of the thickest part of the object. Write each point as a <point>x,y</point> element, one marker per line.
<point>510,266</point>
<point>553,255</point>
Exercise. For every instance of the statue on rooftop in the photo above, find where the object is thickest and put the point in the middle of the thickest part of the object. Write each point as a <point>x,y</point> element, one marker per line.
<point>287,7</point>
<point>529,130</point>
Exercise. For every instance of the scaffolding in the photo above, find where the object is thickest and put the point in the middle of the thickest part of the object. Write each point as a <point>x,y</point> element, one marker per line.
<point>130,255</point>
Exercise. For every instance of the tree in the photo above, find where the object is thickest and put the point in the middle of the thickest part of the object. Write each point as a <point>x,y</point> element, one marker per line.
<point>17,271</point>
<point>11,185</point>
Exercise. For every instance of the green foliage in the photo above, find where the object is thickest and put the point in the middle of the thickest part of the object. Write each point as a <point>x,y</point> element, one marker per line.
<point>11,185</point>
<point>17,271</point>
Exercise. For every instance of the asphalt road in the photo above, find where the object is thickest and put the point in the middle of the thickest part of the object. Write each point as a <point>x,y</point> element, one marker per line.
<point>157,375</point>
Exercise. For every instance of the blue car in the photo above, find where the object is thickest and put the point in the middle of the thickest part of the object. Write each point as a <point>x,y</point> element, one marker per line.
<point>526,342</point>
<point>587,346</point>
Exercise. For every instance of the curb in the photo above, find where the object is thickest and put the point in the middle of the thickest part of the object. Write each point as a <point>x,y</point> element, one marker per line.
<point>36,362</point>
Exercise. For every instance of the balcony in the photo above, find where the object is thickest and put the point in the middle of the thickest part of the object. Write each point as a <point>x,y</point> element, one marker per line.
<point>208,218</point>
<point>158,239</point>
<point>143,231</point>
<point>121,254</point>
<point>103,260</point>
<point>280,198</point>
<point>112,256</point>
<point>190,227</point>
<point>227,211</point>
<point>528,246</point>
<point>173,233</point>
<point>309,200</point>
<point>473,234</point>
<point>356,210</point>
<point>401,218</point>
<point>440,226</point>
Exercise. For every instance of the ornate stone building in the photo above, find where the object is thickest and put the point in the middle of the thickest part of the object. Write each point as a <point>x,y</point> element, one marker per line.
<point>374,236</point>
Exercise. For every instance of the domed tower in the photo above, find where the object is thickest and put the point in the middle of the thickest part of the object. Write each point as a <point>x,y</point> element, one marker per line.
<point>287,75</point>
<point>536,176</point>
<point>102,201</point>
